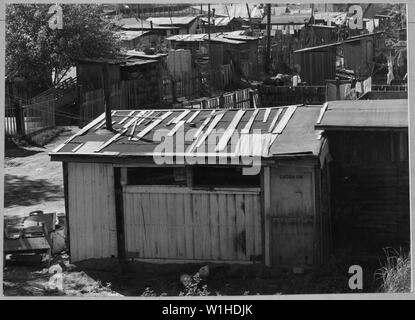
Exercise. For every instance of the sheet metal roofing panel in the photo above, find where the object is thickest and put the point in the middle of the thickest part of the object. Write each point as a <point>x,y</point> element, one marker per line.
<point>130,35</point>
<point>361,114</point>
<point>297,134</point>
<point>171,20</point>
<point>289,19</point>
<point>219,21</point>
<point>135,23</point>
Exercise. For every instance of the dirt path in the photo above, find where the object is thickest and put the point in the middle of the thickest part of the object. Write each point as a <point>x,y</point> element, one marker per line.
<point>32,181</point>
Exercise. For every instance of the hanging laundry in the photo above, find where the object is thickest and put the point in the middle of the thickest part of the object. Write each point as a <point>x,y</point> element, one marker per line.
<point>390,75</point>
<point>401,58</point>
<point>347,89</point>
<point>359,87</point>
<point>370,26</point>
<point>296,80</point>
<point>351,95</point>
<point>376,23</point>
<point>367,85</point>
<point>291,28</point>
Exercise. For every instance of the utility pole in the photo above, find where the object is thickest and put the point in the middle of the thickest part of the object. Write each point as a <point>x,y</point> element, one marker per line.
<point>210,64</point>
<point>268,51</point>
<point>249,15</point>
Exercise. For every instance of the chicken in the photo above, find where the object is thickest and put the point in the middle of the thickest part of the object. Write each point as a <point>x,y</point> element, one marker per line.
<point>204,272</point>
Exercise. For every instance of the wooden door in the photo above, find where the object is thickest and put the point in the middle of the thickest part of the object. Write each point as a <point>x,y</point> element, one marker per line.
<point>292,217</point>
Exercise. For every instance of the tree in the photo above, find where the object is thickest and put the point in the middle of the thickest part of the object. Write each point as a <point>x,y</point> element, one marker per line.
<point>34,51</point>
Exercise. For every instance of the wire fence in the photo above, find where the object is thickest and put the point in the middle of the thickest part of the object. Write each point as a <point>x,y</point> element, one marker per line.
<point>39,114</point>
<point>24,117</point>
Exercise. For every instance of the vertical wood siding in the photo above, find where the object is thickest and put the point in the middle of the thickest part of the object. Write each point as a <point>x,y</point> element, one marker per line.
<point>91,211</point>
<point>184,224</point>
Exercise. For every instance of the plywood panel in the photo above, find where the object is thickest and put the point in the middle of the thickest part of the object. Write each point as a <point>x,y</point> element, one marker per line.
<point>194,224</point>
<point>91,211</point>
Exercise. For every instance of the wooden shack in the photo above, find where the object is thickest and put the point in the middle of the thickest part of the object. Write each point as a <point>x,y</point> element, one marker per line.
<point>319,63</point>
<point>89,73</point>
<point>227,47</point>
<point>186,25</point>
<point>122,202</point>
<point>369,174</point>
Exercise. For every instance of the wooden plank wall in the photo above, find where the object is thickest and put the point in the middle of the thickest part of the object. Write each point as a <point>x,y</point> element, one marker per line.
<point>91,211</point>
<point>273,96</point>
<point>185,224</point>
<point>370,191</point>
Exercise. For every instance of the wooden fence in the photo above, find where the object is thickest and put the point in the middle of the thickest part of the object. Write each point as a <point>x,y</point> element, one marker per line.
<point>10,125</point>
<point>384,87</point>
<point>272,96</point>
<point>240,99</point>
<point>27,117</point>
<point>39,114</point>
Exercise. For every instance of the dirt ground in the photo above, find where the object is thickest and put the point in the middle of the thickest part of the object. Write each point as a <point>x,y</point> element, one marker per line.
<point>33,182</point>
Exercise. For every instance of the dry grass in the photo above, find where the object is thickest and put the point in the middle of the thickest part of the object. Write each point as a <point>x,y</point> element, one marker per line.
<point>396,272</point>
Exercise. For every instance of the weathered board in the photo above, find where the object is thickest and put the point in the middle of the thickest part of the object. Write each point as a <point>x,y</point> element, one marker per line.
<point>184,224</point>
<point>91,211</point>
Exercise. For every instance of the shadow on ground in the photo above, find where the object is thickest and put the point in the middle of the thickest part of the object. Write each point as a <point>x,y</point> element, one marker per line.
<point>17,152</point>
<point>103,277</point>
<point>22,191</point>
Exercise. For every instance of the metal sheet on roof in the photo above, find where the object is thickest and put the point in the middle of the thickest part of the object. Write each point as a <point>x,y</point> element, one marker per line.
<point>130,35</point>
<point>172,20</point>
<point>365,114</point>
<point>238,131</point>
<point>289,19</point>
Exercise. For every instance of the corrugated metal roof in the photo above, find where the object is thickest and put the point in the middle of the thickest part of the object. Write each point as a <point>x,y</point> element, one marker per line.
<point>198,37</point>
<point>137,24</point>
<point>173,20</point>
<point>289,19</point>
<point>219,21</point>
<point>130,35</point>
<point>238,35</point>
<point>267,132</point>
<point>142,54</point>
<point>364,114</point>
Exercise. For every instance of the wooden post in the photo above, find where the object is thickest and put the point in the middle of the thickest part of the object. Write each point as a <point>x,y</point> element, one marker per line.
<point>173,90</point>
<point>221,101</point>
<point>107,93</point>
<point>251,99</point>
<point>79,100</point>
<point>337,89</point>
<point>266,173</point>
<point>268,51</point>
<point>18,111</point>
<point>235,104</point>
<point>209,60</point>
<point>66,199</point>
<point>119,214</point>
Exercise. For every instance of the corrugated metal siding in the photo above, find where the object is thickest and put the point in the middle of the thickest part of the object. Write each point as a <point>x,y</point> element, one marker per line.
<point>91,211</point>
<point>180,223</point>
